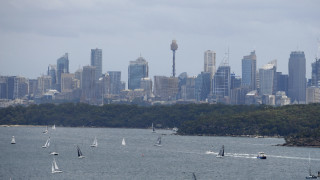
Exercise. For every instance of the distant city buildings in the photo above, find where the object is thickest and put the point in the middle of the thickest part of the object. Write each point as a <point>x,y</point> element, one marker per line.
<point>89,84</point>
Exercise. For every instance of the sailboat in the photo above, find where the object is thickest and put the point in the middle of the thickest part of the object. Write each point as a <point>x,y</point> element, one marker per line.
<point>54,127</point>
<point>54,167</point>
<point>13,140</point>
<point>221,152</point>
<point>47,144</point>
<point>80,156</point>
<point>153,130</point>
<point>158,143</point>
<point>123,142</point>
<point>94,143</point>
<point>45,131</point>
<point>311,176</point>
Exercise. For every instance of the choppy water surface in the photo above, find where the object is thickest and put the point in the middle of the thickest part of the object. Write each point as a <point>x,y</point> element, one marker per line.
<point>178,158</point>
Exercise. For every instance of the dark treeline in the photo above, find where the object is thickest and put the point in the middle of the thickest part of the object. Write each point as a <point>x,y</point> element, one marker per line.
<point>193,119</point>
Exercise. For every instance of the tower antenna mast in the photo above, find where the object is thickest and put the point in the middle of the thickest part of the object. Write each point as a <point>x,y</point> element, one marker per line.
<point>174,47</point>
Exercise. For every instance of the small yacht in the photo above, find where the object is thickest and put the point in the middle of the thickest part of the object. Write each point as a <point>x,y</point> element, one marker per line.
<point>55,168</point>
<point>123,142</point>
<point>80,155</point>
<point>94,143</point>
<point>13,140</point>
<point>261,155</point>
<point>221,152</point>
<point>158,143</point>
<point>54,153</point>
<point>45,131</point>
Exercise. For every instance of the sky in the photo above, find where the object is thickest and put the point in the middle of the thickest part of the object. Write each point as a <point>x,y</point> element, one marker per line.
<point>35,33</point>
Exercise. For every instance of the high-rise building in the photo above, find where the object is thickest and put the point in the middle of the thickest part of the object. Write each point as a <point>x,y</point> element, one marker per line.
<point>267,76</point>
<point>315,76</point>
<point>202,86</point>
<point>282,82</point>
<point>20,87</point>
<point>297,77</point>
<point>165,88</point>
<point>249,66</point>
<point>52,71</point>
<point>96,61</point>
<point>115,82</point>
<point>62,67</point>
<point>313,95</point>
<point>88,83</point>
<point>210,62</point>
<point>137,70</point>
<point>222,82</point>
<point>67,83</point>
<point>44,84</point>
<point>146,85</point>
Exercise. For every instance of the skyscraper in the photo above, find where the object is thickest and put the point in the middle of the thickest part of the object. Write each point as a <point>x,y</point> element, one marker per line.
<point>297,77</point>
<point>202,86</point>
<point>62,67</point>
<point>210,62</point>
<point>222,81</point>
<point>315,76</point>
<point>249,66</point>
<point>165,88</point>
<point>267,75</point>
<point>88,83</point>
<point>96,61</point>
<point>137,70</point>
<point>115,82</point>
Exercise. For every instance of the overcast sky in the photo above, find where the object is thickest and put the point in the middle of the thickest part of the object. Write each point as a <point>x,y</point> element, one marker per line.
<point>35,33</point>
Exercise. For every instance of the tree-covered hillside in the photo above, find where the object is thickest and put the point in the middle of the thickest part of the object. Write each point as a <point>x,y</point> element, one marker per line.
<point>294,121</point>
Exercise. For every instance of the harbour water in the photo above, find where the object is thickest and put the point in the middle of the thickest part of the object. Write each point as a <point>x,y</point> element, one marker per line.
<point>178,157</point>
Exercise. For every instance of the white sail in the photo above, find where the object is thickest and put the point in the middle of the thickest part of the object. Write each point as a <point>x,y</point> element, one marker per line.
<point>13,140</point>
<point>123,142</point>
<point>158,143</point>
<point>55,164</point>
<point>47,144</point>
<point>54,127</point>
<point>52,169</point>
<point>95,142</point>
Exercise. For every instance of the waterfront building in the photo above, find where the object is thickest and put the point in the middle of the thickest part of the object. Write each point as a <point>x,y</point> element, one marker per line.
<point>297,77</point>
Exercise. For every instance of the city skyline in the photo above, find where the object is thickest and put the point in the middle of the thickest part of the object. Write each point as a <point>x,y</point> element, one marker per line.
<point>124,29</point>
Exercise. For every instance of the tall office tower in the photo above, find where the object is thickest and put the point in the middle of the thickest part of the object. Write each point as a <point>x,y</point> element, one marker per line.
<point>67,83</point>
<point>10,86</point>
<point>267,75</point>
<point>52,71</point>
<point>202,86</point>
<point>146,85</point>
<point>297,77</point>
<point>282,82</point>
<point>96,61</point>
<point>103,89</point>
<point>315,76</point>
<point>33,87</point>
<point>249,66</point>
<point>165,88</point>
<point>115,82</point>
<point>62,67</point>
<point>210,62</point>
<point>3,87</point>
<point>20,87</point>
<point>235,81</point>
<point>222,81</point>
<point>174,47</point>
<point>137,70</point>
<point>44,84</point>
<point>88,83</point>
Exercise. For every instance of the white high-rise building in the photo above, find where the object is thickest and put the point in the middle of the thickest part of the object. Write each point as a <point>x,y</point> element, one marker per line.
<point>210,62</point>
